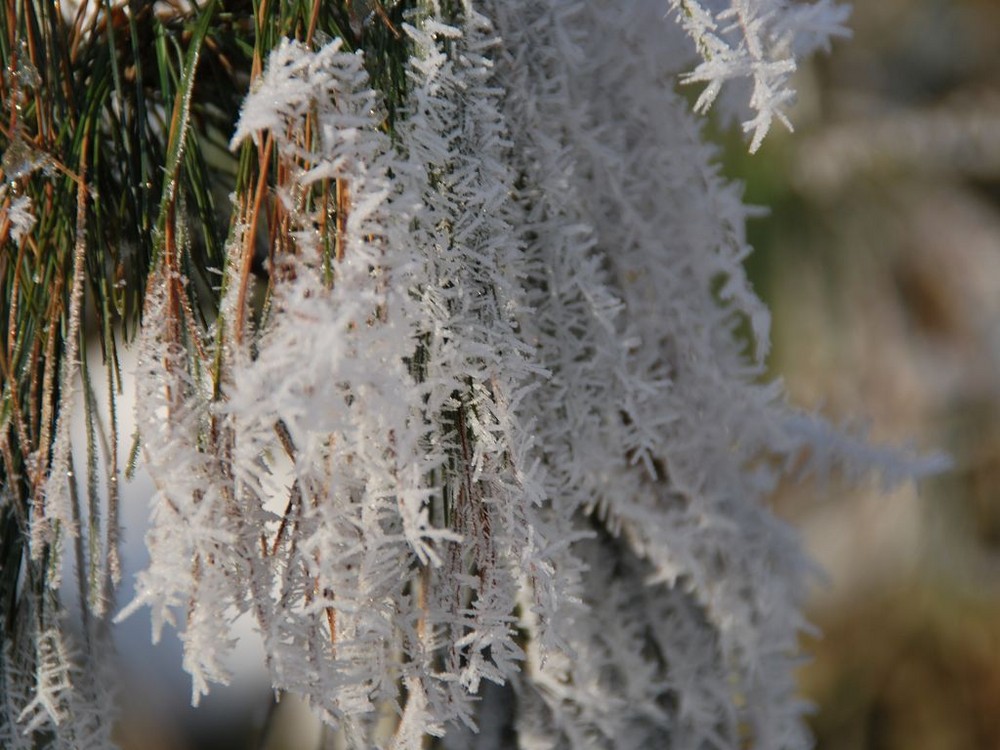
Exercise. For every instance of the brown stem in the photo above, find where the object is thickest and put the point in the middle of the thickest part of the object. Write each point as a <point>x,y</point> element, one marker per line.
<point>251,232</point>
<point>343,207</point>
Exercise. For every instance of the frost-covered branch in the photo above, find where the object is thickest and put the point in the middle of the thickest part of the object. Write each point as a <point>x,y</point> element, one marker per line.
<point>491,449</point>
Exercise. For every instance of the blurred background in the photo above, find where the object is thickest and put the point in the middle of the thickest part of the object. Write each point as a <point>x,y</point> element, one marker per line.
<point>880,259</point>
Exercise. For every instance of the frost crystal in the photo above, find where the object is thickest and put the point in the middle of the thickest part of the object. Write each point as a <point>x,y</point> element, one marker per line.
<point>19,214</point>
<point>756,42</point>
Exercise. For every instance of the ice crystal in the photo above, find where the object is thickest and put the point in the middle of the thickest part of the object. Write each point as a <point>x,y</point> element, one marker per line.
<point>20,215</point>
<point>757,42</point>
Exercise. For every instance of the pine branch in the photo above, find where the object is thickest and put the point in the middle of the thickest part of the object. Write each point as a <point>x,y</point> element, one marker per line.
<point>448,395</point>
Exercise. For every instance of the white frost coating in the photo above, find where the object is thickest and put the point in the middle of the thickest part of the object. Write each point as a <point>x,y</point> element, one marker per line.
<point>282,92</point>
<point>22,218</point>
<point>477,366</point>
<point>73,706</point>
<point>191,531</point>
<point>757,41</point>
<point>653,419</point>
<point>19,213</point>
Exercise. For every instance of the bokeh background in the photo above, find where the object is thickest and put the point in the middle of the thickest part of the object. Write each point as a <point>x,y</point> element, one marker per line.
<point>880,259</point>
